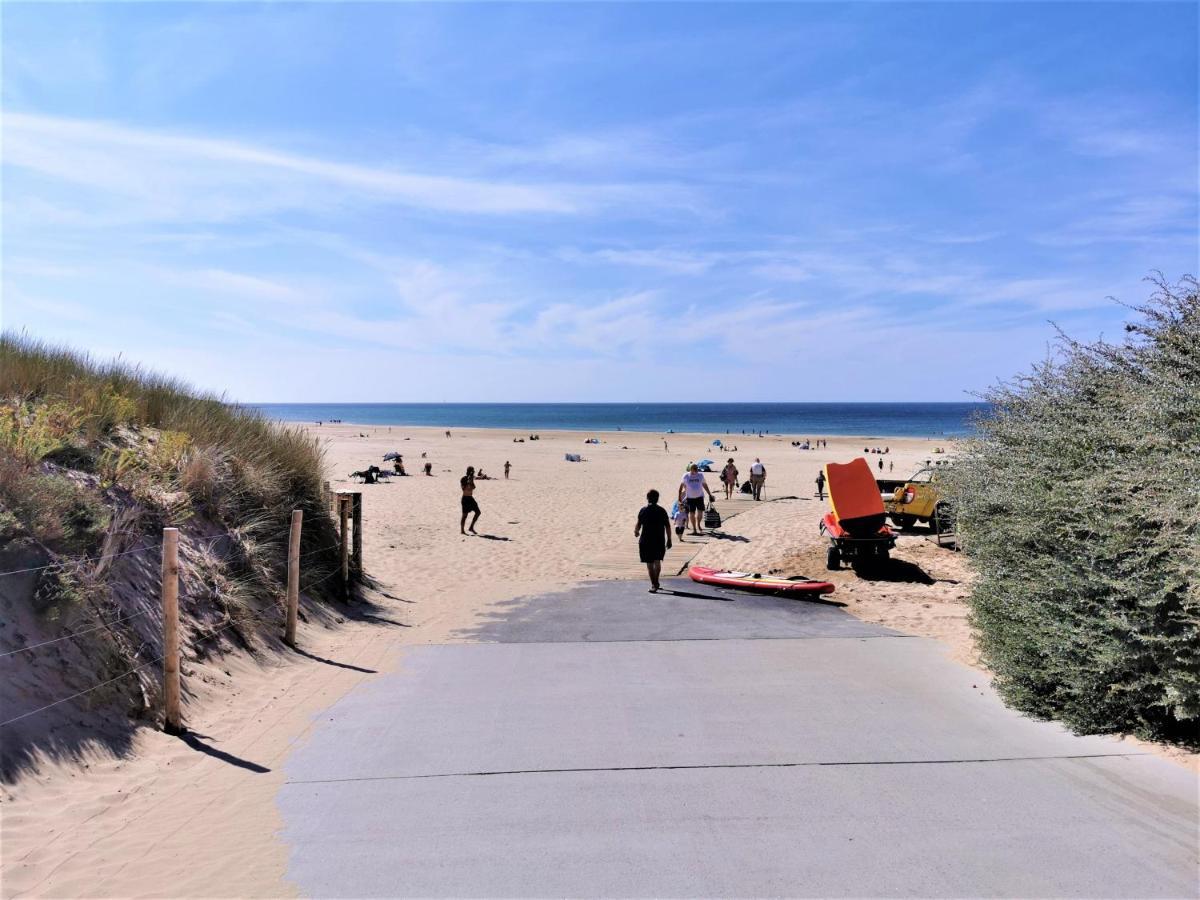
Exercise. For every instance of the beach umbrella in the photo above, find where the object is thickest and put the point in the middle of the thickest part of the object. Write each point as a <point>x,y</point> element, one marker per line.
<point>717,442</point>
<point>392,455</point>
<point>704,462</point>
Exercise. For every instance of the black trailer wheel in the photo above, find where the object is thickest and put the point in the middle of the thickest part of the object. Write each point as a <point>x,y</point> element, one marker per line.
<point>904,521</point>
<point>833,559</point>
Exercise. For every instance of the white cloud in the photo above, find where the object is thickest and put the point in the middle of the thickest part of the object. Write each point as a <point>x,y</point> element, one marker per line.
<point>140,174</point>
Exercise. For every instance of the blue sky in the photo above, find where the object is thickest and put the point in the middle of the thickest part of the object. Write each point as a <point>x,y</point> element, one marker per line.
<point>855,201</point>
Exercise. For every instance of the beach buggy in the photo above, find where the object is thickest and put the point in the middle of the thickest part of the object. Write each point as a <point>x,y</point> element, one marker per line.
<point>856,526</point>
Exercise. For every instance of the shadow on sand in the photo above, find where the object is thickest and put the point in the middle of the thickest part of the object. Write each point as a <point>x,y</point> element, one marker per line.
<point>334,662</point>
<point>193,740</point>
<point>894,570</point>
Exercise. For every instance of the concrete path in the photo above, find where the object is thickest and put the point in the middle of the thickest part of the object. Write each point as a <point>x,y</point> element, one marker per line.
<point>608,742</point>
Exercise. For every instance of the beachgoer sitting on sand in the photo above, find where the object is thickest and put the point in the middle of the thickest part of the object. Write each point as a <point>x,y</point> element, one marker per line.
<point>428,468</point>
<point>469,503</point>
<point>653,531</point>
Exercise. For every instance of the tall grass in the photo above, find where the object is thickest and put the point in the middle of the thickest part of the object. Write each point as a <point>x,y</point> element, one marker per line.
<point>243,470</point>
<point>108,394</point>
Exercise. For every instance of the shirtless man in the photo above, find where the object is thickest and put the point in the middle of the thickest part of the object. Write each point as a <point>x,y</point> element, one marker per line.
<point>469,503</point>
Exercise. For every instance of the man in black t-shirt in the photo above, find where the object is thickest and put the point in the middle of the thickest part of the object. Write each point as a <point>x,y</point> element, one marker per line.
<point>653,531</point>
<point>469,503</point>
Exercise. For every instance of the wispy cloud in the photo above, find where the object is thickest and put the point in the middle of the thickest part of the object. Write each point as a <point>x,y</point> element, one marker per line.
<point>143,173</point>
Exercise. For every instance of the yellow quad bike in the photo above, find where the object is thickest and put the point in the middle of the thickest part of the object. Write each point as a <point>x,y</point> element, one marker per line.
<point>916,500</point>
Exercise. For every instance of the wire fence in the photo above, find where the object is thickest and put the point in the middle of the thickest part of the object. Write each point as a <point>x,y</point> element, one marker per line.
<point>209,542</point>
<point>341,543</point>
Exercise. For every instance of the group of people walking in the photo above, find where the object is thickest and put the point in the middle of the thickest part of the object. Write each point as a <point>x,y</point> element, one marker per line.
<point>653,528</point>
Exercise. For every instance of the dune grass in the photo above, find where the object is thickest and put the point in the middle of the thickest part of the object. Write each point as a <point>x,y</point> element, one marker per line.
<point>154,436</point>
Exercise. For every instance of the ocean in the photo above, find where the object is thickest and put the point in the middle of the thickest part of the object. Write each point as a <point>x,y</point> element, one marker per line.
<point>796,419</point>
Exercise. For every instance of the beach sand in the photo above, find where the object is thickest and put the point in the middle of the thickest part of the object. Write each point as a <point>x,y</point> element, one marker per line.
<point>198,819</point>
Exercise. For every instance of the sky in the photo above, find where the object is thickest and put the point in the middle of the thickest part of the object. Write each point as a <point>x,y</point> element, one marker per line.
<point>592,202</point>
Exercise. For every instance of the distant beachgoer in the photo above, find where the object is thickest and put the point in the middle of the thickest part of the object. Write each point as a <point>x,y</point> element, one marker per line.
<point>469,503</point>
<point>729,478</point>
<point>507,467</point>
<point>891,466</point>
<point>692,489</point>
<point>881,464</point>
<point>758,477</point>
<point>428,468</point>
<point>665,449</point>
<point>653,531</point>
<point>447,434</point>
<point>821,485</point>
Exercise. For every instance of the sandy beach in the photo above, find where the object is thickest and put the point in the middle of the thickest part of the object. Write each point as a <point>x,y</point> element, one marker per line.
<point>135,826</point>
<point>554,523</point>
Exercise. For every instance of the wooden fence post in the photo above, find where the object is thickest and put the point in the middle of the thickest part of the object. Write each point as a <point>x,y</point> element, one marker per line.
<point>293,583</point>
<point>356,512</point>
<point>170,603</point>
<point>343,518</point>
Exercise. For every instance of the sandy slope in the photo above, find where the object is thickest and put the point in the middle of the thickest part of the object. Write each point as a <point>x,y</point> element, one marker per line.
<point>199,819</point>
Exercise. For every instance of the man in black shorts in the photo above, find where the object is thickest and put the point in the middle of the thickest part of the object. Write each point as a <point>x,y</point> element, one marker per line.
<point>469,503</point>
<point>653,531</point>
<point>691,494</point>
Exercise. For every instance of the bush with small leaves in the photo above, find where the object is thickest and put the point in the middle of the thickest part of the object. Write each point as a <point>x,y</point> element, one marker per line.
<point>1079,504</point>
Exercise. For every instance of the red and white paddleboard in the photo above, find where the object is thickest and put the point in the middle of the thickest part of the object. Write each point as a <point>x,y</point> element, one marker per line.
<point>764,584</point>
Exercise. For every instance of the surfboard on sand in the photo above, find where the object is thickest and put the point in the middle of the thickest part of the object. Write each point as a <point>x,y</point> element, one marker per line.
<point>763,584</point>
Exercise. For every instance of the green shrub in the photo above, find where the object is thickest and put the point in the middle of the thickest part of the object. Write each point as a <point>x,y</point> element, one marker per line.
<point>1079,503</point>
<point>54,509</point>
<point>33,431</point>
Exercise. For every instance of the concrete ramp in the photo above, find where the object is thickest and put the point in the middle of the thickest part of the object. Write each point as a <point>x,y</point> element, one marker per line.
<point>605,742</point>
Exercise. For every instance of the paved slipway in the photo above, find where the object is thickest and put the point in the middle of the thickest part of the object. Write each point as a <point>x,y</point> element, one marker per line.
<point>609,742</point>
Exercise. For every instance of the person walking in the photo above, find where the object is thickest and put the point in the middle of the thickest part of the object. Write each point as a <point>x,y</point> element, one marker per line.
<point>692,489</point>
<point>821,485</point>
<point>758,477</point>
<point>507,467</point>
<point>729,478</point>
<point>469,503</point>
<point>881,464</point>
<point>653,531</point>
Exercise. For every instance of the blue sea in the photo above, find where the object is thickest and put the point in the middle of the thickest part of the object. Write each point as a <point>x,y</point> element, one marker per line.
<point>796,419</point>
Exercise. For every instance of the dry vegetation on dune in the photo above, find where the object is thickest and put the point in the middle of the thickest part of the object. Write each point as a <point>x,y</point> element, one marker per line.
<point>95,459</point>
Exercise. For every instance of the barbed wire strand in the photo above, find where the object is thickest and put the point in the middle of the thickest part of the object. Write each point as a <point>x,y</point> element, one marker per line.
<point>183,545</point>
<point>143,612</point>
<point>67,637</point>
<point>230,624</point>
<point>80,693</point>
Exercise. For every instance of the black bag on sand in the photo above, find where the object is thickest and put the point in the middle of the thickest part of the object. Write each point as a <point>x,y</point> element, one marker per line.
<point>712,518</point>
<point>747,487</point>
